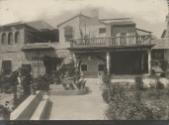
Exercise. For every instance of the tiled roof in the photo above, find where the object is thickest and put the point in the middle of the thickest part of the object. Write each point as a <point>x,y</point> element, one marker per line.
<point>161,43</point>
<point>38,25</point>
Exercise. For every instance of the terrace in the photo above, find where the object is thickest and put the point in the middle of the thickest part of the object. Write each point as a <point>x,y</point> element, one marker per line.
<point>113,42</point>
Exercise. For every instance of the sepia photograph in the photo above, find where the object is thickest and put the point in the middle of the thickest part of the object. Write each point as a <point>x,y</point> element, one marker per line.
<point>84,60</point>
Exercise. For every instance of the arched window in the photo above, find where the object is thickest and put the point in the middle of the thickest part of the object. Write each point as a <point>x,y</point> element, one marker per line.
<point>3,37</point>
<point>16,37</point>
<point>10,38</point>
<point>68,33</point>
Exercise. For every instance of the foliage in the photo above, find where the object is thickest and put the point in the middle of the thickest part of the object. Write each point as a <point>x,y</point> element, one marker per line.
<point>139,83</point>
<point>106,79</point>
<point>4,113</point>
<point>136,104</point>
<point>67,68</point>
<point>42,82</point>
<point>106,96</point>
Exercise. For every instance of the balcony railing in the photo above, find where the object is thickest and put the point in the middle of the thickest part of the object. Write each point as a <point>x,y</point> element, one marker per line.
<point>126,41</point>
<point>29,46</point>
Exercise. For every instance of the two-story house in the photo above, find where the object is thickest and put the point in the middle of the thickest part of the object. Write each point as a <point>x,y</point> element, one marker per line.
<point>114,45</point>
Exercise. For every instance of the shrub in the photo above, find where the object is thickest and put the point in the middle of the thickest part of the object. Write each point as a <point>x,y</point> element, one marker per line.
<point>127,104</point>
<point>139,82</point>
<point>106,79</point>
<point>106,95</point>
<point>41,83</point>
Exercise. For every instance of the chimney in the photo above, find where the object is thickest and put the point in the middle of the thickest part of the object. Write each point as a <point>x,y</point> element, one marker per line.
<point>95,13</point>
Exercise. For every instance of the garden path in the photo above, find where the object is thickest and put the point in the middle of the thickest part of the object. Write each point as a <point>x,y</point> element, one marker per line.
<point>79,107</point>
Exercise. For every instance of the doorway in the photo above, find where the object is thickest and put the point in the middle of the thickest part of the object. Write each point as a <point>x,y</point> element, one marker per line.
<point>50,64</point>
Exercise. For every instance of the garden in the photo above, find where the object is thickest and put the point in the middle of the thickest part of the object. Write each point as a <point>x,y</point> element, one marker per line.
<point>147,99</point>
<point>67,78</point>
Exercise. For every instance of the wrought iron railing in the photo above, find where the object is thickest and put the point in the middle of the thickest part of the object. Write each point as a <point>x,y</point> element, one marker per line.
<point>111,41</point>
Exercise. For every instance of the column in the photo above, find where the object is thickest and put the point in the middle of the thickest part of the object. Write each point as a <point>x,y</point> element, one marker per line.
<point>149,61</point>
<point>108,62</point>
<point>74,59</point>
<point>142,62</point>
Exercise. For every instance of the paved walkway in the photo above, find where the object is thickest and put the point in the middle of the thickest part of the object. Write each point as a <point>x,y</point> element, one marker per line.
<point>79,107</point>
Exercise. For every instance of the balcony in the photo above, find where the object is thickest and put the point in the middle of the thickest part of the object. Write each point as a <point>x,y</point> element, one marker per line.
<point>113,42</point>
<point>36,46</point>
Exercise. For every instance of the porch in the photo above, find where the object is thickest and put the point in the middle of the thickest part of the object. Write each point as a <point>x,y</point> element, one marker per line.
<point>117,62</point>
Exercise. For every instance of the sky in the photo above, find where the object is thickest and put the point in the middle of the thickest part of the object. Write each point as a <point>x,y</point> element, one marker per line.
<point>148,14</point>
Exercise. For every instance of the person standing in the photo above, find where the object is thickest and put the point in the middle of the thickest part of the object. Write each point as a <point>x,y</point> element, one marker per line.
<point>26,82</point>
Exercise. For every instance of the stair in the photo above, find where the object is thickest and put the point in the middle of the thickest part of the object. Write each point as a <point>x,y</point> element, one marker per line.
<point>41,110</point>
<point>33,107</point>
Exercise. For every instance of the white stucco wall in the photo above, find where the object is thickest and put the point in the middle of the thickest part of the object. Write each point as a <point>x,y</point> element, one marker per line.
<point>87,25</point>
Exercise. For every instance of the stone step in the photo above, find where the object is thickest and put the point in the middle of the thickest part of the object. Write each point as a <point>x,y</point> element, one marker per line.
<point>41,111</point>
<point>25,110</point>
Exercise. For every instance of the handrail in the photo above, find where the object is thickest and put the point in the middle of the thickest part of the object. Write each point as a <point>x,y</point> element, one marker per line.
<point>111,41</point>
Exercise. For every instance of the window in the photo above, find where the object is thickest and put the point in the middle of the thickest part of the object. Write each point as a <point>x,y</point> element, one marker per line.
<point>68,32</point>
<point>102,30</point>
<point>101,67</point>
<point>3,38</point>
<point>6,66</point>
<point>84,67</point>
<point>123,39</point>
<point>10,38</point>
<point>158,54</point>
<point>27,68</point>
<point>16,37</point>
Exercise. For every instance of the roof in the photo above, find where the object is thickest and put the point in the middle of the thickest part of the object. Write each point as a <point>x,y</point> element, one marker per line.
<point>143,30</point>
<point>71,19</point>
<point>118,21</point>
<point>123,23</point>
<point>38,25</point>
<point>161,43</point>
<point>78,15</point>
<point>163,35</point>
<point>12,24</point>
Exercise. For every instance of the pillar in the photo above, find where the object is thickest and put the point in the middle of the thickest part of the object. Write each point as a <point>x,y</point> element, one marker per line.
<point>108,62</point>
<point>142,62</point>
<point>149,61</point>
<point>74,59</point>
